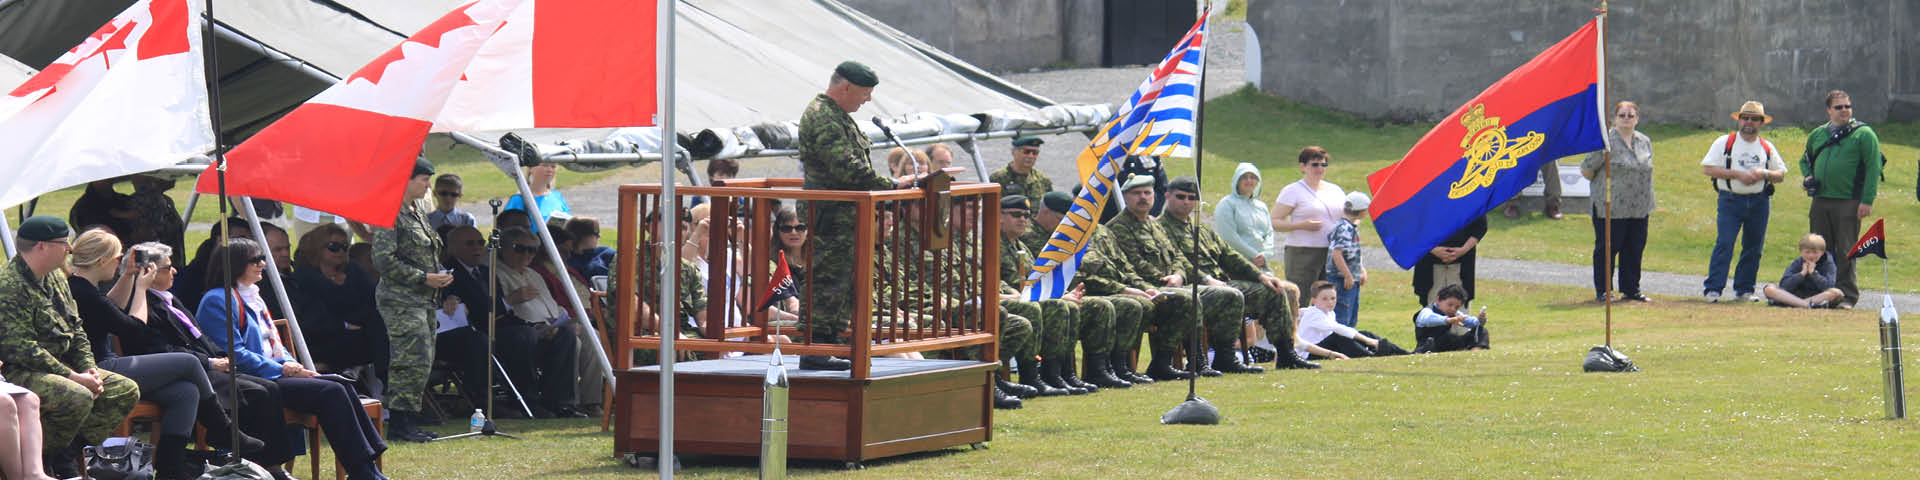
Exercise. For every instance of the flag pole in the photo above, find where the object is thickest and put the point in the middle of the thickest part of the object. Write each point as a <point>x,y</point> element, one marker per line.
<point>669,261</point>
<point>1196,410</point>
<point>1606,165</point>
<point>212,74</point>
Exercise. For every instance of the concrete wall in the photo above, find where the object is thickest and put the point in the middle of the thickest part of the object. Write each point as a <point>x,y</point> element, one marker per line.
<point>999,35</point>
<point>1682,61</point>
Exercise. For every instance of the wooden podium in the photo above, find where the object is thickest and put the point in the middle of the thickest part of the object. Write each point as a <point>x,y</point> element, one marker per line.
<point>884,406</point>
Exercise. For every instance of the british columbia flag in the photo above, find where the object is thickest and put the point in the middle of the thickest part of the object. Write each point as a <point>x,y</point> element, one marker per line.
<point>1158,121</point>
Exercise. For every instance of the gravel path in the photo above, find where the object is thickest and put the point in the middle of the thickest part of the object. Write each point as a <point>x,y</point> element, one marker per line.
<point>1112,85</point>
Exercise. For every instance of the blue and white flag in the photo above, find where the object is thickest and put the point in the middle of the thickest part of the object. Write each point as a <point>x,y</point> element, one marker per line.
<point>1157,121</point>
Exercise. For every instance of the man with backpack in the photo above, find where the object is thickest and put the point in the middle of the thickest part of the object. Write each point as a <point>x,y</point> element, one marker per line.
<point>1842,173</point>
<point>1743,168</point>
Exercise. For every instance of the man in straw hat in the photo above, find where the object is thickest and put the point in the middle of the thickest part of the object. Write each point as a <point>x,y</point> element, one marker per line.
<point>1743,168</point>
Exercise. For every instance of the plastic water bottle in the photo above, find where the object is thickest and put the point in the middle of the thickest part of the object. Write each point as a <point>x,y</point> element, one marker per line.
<point>478,421</point>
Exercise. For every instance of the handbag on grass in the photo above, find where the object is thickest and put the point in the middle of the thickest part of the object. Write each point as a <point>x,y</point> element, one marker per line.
<point>120,459</point>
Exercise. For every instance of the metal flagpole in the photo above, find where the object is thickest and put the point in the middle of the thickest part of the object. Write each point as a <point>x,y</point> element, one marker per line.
<point>1196,410</point>
<point>226,234</point>
<point>669,205</point>
<point>1606,135</point>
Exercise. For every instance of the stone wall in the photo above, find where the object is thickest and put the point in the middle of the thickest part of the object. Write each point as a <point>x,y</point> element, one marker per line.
<point>1682,61</point>
<point>999,35</point>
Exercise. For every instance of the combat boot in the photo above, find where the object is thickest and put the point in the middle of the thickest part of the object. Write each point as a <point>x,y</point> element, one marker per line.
<point>1161,368</point>
<point>1066,371</point>
<point>1015,389</point>
<point>1120,363</point>
<point>1285,358</point>
<point>1003,401</point>
<point>1097,372</point>
<point>1030,376</point>
<point>1227,359</point>
<point>1050,373</point>
<point>63,462</point>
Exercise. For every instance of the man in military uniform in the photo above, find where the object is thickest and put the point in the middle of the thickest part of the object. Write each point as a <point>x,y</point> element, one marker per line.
<point>1269,299</point>
<point>1151,251</point>
<point>1114,309</point>
<point>1052,319</point>
<point>408,259</point>
<point>1019,177</point>
<point>45,349</point>
<point>834,156</point>
<point>1105,271</point>
<point>958,301</point>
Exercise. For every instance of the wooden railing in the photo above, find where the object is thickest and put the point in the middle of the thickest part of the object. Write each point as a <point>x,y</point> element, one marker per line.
<point>925,271</point>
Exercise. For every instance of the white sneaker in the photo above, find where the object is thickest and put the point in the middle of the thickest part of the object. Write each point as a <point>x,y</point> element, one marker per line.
<point>1748,297</point>
<point>1713,297</point>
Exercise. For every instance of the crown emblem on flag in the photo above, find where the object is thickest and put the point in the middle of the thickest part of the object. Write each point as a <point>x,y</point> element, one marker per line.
<point>1488,150</point>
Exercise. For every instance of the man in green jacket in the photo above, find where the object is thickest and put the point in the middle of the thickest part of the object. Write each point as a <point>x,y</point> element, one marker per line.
<point>1842,170</point>
<point>1154,256</point>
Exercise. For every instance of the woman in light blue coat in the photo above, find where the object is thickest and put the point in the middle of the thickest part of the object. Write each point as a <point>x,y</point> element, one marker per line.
<point>1242,219</point>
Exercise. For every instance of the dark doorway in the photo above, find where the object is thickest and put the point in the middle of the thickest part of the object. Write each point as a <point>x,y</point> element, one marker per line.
<point>1142,31</point>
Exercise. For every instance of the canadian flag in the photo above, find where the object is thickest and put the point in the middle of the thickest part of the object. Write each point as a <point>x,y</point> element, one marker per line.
<point>130,98</point>
<point>489,65</point>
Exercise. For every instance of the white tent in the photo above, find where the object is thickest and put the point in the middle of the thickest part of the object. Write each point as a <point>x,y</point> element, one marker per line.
<point>12,72</point>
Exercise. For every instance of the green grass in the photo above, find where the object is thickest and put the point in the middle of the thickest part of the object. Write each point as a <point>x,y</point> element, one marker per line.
<point>1248,126</point>
<point>1729,391</point>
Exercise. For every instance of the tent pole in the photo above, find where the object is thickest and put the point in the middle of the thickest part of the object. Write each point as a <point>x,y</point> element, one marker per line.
<point>979,165</point>
<point>6,233</point>
<point>279,286</point>
<point>186,217</point>
<point>669,261</point>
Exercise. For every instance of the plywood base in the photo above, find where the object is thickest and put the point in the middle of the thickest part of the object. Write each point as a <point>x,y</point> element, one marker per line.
<point>907,406</point>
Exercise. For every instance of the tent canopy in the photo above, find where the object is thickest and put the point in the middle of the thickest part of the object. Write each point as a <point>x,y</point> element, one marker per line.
<point>740,62</point>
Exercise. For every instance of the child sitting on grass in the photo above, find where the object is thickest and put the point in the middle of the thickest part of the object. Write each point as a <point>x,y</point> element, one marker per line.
<point>1442,327</point>
<point>1321,337</point>
<point>1343,261</point>
<point>1808,281</point>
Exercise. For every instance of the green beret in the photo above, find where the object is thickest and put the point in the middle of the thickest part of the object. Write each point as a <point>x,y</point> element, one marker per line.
<point>421,166</point>
<point>857,73</point>
<point>1014,201</point>
<point>1028,141</point>
<point>1137,181</point>
<point>1185,183</point>
<point>1057,201</point>
<point>41,228</point>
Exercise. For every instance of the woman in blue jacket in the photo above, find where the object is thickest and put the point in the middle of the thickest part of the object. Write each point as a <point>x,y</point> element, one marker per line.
<point>259,351</point>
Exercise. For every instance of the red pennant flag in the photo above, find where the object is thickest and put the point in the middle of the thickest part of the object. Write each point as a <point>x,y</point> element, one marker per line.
<point>782,287</point>
<point>1873,242</point>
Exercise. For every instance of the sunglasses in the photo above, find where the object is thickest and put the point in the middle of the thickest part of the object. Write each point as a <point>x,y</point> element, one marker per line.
<point>336,247</point>
<point>1188,196</point>
<point>791,228</point>
<point>1841,107</point>
<point>1318,164</point>
<point>1017,213</point>
<point>258,259</point>
<point>448,194</point>
<point>1750,118</point>
<point>525,248</point>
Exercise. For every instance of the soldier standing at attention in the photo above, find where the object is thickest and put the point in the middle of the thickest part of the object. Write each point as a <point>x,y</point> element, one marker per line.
<point>408,259</point>
<point>834,155</point>
<point>1154,256</point>
<point>1019,177</point>
<point>45,350</point>
<point>1268,298</point>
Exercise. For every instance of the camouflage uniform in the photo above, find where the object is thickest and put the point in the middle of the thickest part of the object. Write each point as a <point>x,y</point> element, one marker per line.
<point>833,156</point>
<point>1060,320</point>
<point>1032,185</point>
<point>1105,273</point>
<point>404,255</point>
<point>1213,258</point>
<point>1099,319</point>
<point>42,341</point>
<point>159,219</point>
<point>1151,253</point>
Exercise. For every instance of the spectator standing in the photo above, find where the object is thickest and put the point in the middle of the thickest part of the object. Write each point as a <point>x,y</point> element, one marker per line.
<point>1019,177</point>
<point>1629,190</point>
<point>1744,168</point>
<point>1307,210</point>
<point>540,182</point>
<point>448,188</point>
<point>408,259</point>
<point>1842,171</point>
<point>1344,270</point>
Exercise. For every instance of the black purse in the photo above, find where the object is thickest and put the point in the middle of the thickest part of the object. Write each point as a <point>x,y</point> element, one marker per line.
<point>129,461</point>
<point>1602,358</point>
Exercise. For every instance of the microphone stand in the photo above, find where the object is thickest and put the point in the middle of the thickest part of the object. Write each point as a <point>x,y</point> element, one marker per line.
<point>493,328</point>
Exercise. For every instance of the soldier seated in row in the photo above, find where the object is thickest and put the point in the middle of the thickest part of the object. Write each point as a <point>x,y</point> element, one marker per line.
<point>1054,330</point>
<point>1269,299</point>
<point>1151,251</point>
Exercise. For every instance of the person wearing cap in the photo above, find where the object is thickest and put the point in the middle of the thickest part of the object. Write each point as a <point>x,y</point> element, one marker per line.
<point>1344,270</point>
<point>834,155</point>
<point>1019,177</point>
<point>44,348</point>
<point>1053,319</point>
<point>1151,250</point>
<point>1743,168</point>
<point>407,258</point>
<point>1269,300</point>
<point>1101,313</point>
<point>1105,272</point>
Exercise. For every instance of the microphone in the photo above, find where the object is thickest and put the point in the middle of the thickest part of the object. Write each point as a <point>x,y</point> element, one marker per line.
<point>898,143</point>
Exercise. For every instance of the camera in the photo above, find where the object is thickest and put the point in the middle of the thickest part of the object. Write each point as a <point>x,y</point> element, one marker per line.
<point>1812,185</point>
<point>139,258</point>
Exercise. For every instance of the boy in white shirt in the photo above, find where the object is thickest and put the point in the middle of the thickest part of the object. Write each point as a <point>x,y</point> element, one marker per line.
<point>1322,337</point>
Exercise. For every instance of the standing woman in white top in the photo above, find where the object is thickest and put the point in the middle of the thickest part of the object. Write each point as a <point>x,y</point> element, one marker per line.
<point>1307,210</point>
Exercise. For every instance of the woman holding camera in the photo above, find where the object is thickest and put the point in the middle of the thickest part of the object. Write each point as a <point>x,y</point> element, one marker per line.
<point>1627,180</point>
<point>174,380</point>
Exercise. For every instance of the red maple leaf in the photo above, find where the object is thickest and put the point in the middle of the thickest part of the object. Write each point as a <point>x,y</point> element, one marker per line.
<point>429,36</point>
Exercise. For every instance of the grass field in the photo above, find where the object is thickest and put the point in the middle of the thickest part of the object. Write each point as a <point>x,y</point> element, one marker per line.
<point>1728,391</point>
